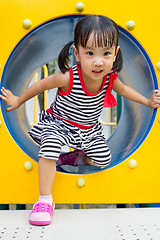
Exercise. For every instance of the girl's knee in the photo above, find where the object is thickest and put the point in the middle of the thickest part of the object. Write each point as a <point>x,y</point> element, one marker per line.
<point>102,161</point>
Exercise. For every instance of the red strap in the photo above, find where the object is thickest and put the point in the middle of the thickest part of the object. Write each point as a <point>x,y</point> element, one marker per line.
<point>109,100</point>
<point>70,122</point>
<point>70,84</point>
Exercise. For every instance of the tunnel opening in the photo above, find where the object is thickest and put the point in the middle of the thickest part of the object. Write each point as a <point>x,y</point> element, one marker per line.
<point>44,43</point>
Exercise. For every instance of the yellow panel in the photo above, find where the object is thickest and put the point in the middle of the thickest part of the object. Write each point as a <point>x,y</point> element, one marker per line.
<point>116,185</point>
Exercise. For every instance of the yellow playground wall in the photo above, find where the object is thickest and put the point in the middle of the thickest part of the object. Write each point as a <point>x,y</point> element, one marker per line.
<point>119,184</point>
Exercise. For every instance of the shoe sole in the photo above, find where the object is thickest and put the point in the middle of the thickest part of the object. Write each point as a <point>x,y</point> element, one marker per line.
<point>40,223</point>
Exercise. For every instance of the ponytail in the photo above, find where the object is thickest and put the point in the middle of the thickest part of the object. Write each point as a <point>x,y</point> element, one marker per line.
<point>118,64</point>
<point>63,58</point>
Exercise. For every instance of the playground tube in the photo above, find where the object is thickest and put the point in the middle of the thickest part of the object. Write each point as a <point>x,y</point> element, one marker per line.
<point>43,44</point>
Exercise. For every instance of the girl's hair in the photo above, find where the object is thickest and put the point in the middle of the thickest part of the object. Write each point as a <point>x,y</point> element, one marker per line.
<point>106,34</point>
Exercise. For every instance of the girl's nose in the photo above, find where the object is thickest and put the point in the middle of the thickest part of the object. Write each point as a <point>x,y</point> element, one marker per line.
<point>98,62</point>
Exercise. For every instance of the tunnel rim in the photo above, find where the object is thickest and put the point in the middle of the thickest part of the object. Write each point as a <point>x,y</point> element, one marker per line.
<point>137,43</point>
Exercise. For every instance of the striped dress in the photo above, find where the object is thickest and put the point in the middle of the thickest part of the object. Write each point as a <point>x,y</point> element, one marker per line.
<point>72,120</point>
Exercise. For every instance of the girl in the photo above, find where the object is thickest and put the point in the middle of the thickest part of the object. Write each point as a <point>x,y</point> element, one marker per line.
<point>72,119</point>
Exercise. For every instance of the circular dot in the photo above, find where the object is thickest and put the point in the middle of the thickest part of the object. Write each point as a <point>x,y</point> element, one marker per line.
<point>158,66</point>
<point>79,6</point>
<point>27,23</point>
<point>28,166</point>
<point>132,163</point>
<point>80,182</point>
<point>130,25</point>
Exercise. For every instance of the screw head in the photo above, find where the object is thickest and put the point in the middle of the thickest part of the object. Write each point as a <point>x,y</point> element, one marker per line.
<point>27,24</point>
<point>79,6</point>
<point>158,66</point>
<point>80,182</point>
<point>28,166</point>
<point>130,25</point>
<point>132,163</point>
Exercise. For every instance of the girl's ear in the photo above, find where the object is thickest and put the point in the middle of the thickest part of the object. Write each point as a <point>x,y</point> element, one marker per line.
<point>76,53</point>
<point>116,53</point>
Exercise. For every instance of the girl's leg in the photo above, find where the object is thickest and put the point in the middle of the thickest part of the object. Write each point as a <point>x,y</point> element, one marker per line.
<point>78,157</point>
<point>49,152</point>
<point>47,172</point>
<point>98,154</point>
<point>88,161</point>
<point>43,210</point>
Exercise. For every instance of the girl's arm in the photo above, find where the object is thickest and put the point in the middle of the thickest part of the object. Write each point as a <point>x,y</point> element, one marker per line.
<point>57,80</point>
<point>131,94</point>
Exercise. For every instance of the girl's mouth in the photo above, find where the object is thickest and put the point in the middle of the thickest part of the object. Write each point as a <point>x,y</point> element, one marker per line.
<point>97,71</point>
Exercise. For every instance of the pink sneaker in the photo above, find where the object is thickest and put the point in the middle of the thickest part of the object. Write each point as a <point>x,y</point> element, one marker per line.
<point>41,214</point>
<point>70,158</point>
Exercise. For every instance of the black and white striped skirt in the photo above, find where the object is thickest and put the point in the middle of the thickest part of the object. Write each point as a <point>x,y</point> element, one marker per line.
<point>51,133</point>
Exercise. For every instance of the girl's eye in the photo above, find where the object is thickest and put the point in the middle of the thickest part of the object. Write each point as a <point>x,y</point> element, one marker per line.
<point>90,53</point>
<point>106,53</point>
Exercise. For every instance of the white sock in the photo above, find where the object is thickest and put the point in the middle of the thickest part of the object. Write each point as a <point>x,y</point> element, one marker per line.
<point>46,198</point>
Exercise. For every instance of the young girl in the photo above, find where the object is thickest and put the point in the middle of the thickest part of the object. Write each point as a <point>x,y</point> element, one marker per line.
<point>72,119</point>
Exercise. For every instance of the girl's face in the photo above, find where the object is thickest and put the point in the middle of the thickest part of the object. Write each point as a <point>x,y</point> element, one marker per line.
<point>95,61</point>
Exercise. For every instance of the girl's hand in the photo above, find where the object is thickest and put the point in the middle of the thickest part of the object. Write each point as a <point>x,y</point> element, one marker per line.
<point>10,99</point>
<point>154,100</point>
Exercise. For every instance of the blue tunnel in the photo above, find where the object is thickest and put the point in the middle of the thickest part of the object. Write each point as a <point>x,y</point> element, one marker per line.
<point>43,44</point>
